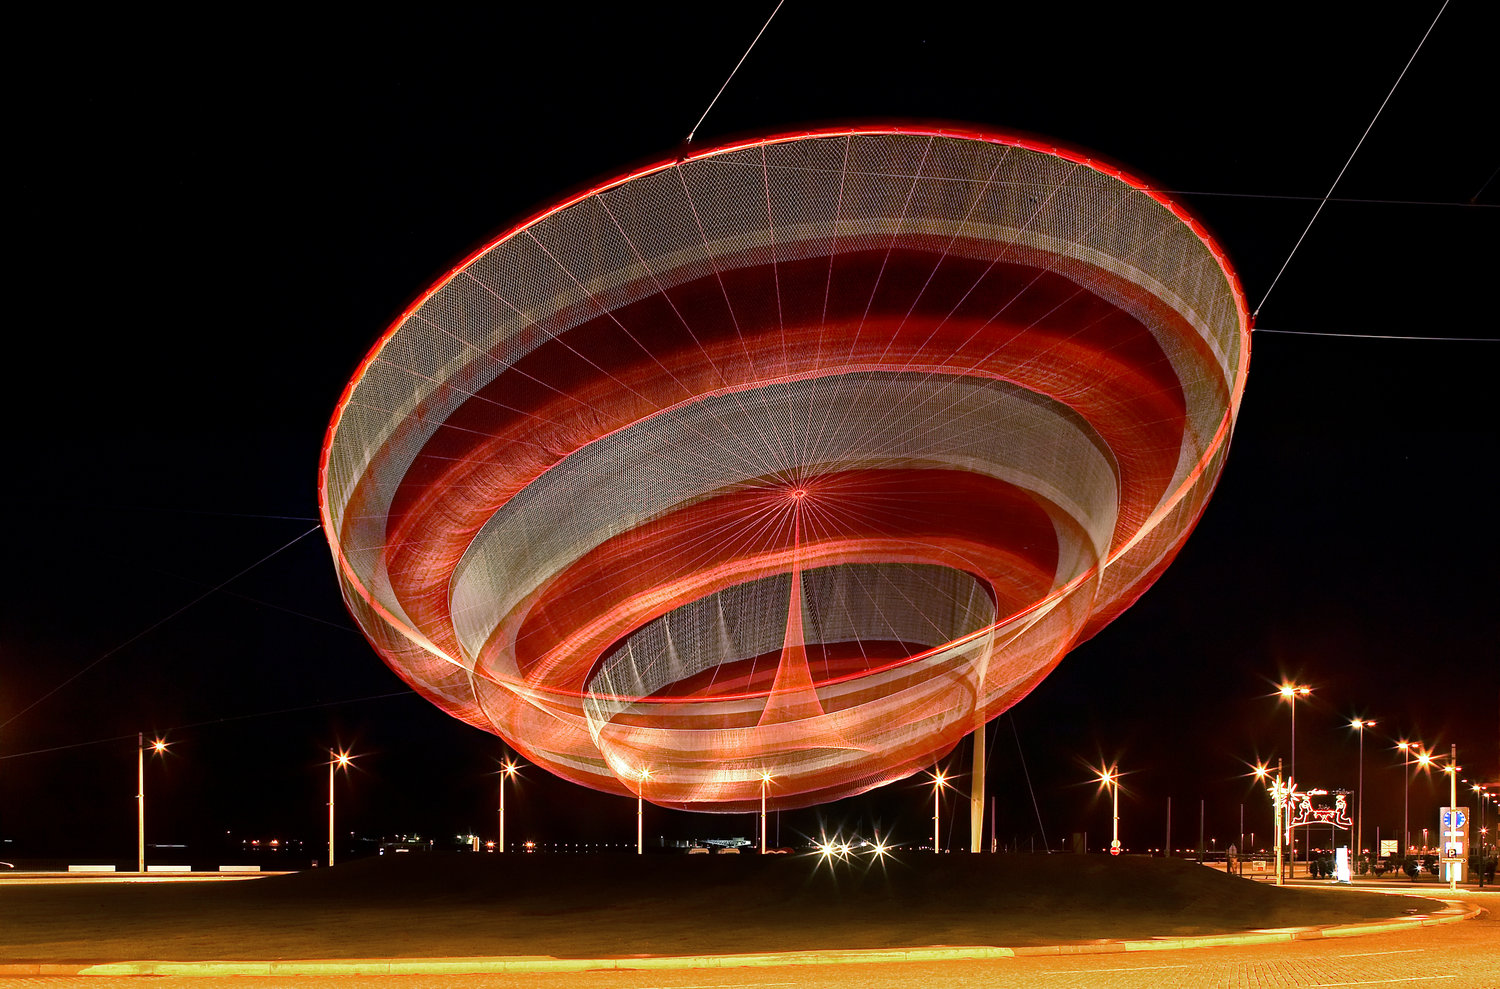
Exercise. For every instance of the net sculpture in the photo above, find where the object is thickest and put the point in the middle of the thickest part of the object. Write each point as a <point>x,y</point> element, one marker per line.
<point>787,463</point>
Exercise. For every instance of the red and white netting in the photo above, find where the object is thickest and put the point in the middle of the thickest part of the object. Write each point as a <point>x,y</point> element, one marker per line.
<point>800,457</point>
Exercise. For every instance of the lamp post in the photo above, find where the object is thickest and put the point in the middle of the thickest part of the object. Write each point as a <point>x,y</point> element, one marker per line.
<point>158,746</point>
<point>1409,748</point>
<point>1424,761</point>
<point>765,782</point>
<point>1111,779</point>
<point>140,802</point>
<point>1480,797</point>
<point>1278,800</point>
<point>1452,770</point>
<point>336,760</point>
<point>640,812</point>
<point>1484,837</point>
<point>507,770</point>
<point>1360,725</point>
<point>938,782</point>
<point>1290,692</point>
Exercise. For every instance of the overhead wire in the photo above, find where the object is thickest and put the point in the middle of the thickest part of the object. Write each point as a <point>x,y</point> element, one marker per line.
<point>1379,336</point>
<point>158,624</point>
<point>1469,204</point>
<point>1035,806</point>
<point>1474,199</point>
<point>733,71</point>
<point>1337,178</point>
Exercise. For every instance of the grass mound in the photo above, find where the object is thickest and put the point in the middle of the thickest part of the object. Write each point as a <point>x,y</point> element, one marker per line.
<point>582,906</point>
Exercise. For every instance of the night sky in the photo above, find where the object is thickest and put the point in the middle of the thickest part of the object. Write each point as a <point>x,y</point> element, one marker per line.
<point>214,221</point>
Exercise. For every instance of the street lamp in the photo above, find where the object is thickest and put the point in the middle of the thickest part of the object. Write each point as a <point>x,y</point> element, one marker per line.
<point>1424,761</point>
<point>1279,795</point>
<point>939,780</point>
<point>336,760</point>
<point>1452,770</point>
<point>1111,779</point>
<point>1290,692</point>
<point>158,746</point>
<point>507,770</point>
<point>1480,797</point>
<point>1360,725</point>
<point>1410,748</point>
<point>640,812</point>
<point>765,782</point>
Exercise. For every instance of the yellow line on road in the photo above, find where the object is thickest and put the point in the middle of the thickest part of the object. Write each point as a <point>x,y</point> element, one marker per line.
<point>1381,982</point>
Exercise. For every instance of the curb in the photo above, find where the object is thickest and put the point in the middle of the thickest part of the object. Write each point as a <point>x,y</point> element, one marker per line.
<point>1456,910</point>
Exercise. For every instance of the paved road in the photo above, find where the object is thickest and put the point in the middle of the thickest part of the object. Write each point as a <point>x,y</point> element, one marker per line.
<point>1464,955</point>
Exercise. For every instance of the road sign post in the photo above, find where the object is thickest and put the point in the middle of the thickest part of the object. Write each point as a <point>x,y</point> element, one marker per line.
<point>1453,829</point>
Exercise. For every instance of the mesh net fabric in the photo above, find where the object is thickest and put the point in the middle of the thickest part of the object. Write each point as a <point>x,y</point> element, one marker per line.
<point>801,457</point>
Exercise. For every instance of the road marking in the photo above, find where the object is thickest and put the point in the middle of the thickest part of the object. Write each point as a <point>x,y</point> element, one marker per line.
<point>723,985</point>
<point>1381,982</point>
<point>1137,968</point>
<point>1371,954</point>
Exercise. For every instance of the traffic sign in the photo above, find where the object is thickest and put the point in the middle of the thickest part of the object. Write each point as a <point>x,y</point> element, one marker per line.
<point>1454,831</point>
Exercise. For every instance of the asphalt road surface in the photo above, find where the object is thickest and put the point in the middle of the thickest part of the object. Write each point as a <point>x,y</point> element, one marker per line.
<point>1465,954</point>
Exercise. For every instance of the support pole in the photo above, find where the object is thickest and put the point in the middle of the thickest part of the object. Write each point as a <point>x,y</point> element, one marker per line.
<point>976,794</point>
<point>140,802</point>
<point>1276,799</point>
<point>1202,805</point>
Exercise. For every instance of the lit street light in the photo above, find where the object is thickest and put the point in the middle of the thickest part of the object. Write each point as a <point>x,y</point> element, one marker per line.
<point>1480,798</point>
<point>1360,725</point>
<point>765,781</point>
<point>1410,748</point>
<point>336,760</point>
<point>1424,761</point>
<point>640,813</point>
<point>507,770</point>
<point>1279,794</point>
<point>939,780</point>
<point>1290,692</point>
<point>157,748</point>
<point>1111,779</point>
<point>1452,770</point>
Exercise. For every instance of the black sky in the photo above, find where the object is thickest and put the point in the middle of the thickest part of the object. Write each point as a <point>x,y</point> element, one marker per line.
<point>213,221</point>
